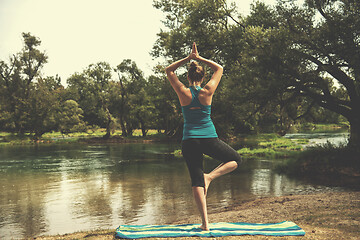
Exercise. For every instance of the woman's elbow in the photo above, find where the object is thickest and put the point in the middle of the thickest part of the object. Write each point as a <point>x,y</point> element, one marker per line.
<point>221,69</point>
<point>168,70</point>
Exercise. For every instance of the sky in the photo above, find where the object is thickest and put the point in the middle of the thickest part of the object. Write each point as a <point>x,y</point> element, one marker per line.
<point>76,33</point>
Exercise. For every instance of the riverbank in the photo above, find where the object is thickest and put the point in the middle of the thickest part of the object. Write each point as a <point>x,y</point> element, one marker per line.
<point>332,215</point>
<point>97,137</point>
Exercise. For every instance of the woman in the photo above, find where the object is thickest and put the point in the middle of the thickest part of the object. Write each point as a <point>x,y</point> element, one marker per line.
<point>199,135</point>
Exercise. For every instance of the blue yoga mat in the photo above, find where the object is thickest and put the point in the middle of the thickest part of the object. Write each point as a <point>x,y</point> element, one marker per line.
<point>285,228</point>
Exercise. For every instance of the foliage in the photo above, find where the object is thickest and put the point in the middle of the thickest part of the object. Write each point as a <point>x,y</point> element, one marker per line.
<point>284,65</point>
<point>70,118</point>
<point>326,159</point>
<point>269,146</point>
<point>135,109</point>
<point>324,48</point>
<point>35,104</point>
<point>91,90</point>
<point>281,64</point>
<point>167,107</point>
<point>17,85</point>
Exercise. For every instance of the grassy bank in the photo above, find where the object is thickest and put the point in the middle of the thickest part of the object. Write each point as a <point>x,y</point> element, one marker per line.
<point>259,142</point>
<point>325,161</point>
<point>90,136</point>
<point>334,164</point>
<point>270,146</point>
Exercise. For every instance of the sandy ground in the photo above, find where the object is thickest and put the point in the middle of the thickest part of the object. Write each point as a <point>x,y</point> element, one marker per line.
<point>332,216</point>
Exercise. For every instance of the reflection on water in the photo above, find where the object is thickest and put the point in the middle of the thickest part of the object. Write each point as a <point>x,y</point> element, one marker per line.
<point>321,138</point>
<point>67,188</point>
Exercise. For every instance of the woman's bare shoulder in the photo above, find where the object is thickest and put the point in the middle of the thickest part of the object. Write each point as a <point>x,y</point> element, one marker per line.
<point>205,96</point>
<point>206,91</point>
<point>186,97</point>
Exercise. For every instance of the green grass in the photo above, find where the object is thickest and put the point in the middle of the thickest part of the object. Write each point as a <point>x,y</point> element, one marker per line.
<point>57,137</point>
<point>265,146</point>
<point>14,139</point>
<point>301,141</point>
<point>270,146</point>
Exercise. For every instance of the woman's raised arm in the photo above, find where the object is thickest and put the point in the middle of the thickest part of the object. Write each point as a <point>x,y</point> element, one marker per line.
<point>178,86</point>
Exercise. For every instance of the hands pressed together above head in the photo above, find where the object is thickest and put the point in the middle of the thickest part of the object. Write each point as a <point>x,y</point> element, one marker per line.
<point>194,52</point>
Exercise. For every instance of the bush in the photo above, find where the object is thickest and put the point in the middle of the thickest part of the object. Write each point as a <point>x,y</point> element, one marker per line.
<point>324,160</point>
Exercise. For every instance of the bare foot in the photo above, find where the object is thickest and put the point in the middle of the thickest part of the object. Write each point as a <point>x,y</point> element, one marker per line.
<point>207,180</point>
<point>204,228</point>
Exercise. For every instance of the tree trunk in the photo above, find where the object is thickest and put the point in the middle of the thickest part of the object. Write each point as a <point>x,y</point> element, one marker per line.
<point>108,123</point>
<point>108,131</point>
<point>143,128</point>
<point>354,139</point>
<point>123,128</point>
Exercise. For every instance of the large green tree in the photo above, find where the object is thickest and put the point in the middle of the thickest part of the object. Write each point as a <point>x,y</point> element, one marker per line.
<point>135,108</point>
<point>207,23</point>
<point>70,118</point>
<point>44,102</point>
<point>90,89</point>
<point>17,79</point>
<point>311,54</point>
<point>166,107</point>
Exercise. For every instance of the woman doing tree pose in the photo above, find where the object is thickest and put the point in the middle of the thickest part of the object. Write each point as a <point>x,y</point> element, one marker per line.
<point>199,135</point>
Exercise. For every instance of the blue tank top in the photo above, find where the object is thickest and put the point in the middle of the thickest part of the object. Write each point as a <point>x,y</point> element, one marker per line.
<point>197,120</point>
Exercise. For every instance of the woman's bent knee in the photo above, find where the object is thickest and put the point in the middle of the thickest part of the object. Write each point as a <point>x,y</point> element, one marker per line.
<point>236,164</point>
<point>238,160</point>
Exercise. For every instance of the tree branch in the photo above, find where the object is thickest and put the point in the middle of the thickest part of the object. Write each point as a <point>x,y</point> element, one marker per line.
<point>229,15</point>
<point>327,103</point>
<point>337,73</point>
<point>344,79</point>
<point>307,111</point>
<point>8,73</point>
<point>319,4</point>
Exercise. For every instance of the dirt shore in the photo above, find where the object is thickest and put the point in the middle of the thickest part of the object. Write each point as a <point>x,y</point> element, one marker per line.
<point>333,216</point>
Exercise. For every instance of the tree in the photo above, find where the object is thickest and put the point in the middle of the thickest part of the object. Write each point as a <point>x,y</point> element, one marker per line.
<point>207,23</point>
<point>70,118</point>
<point>280,61</point>
<point>17,82</point>
<point>166,107</point>
<point>135,107</point>
<point>91,90</point>
<point>100,75</point>
<point>44,106</point>
<point>318,41</point>
<point>332,49</point>
<point>142,109</point>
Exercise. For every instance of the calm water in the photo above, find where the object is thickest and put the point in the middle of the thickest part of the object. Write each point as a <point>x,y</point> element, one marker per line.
<point>60,189</point>
<point>337,138</point>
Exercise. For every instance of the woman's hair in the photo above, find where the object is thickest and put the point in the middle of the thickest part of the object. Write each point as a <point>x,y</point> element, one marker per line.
<point>196,72</point>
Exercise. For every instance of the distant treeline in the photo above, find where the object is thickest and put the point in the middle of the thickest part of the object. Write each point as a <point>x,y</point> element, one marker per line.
<point>283,65</point>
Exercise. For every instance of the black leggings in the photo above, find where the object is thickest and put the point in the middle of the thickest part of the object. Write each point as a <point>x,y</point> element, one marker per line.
<point>193,150</point>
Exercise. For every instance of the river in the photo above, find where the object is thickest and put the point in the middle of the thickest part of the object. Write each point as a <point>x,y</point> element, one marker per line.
<point>57,189</point>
